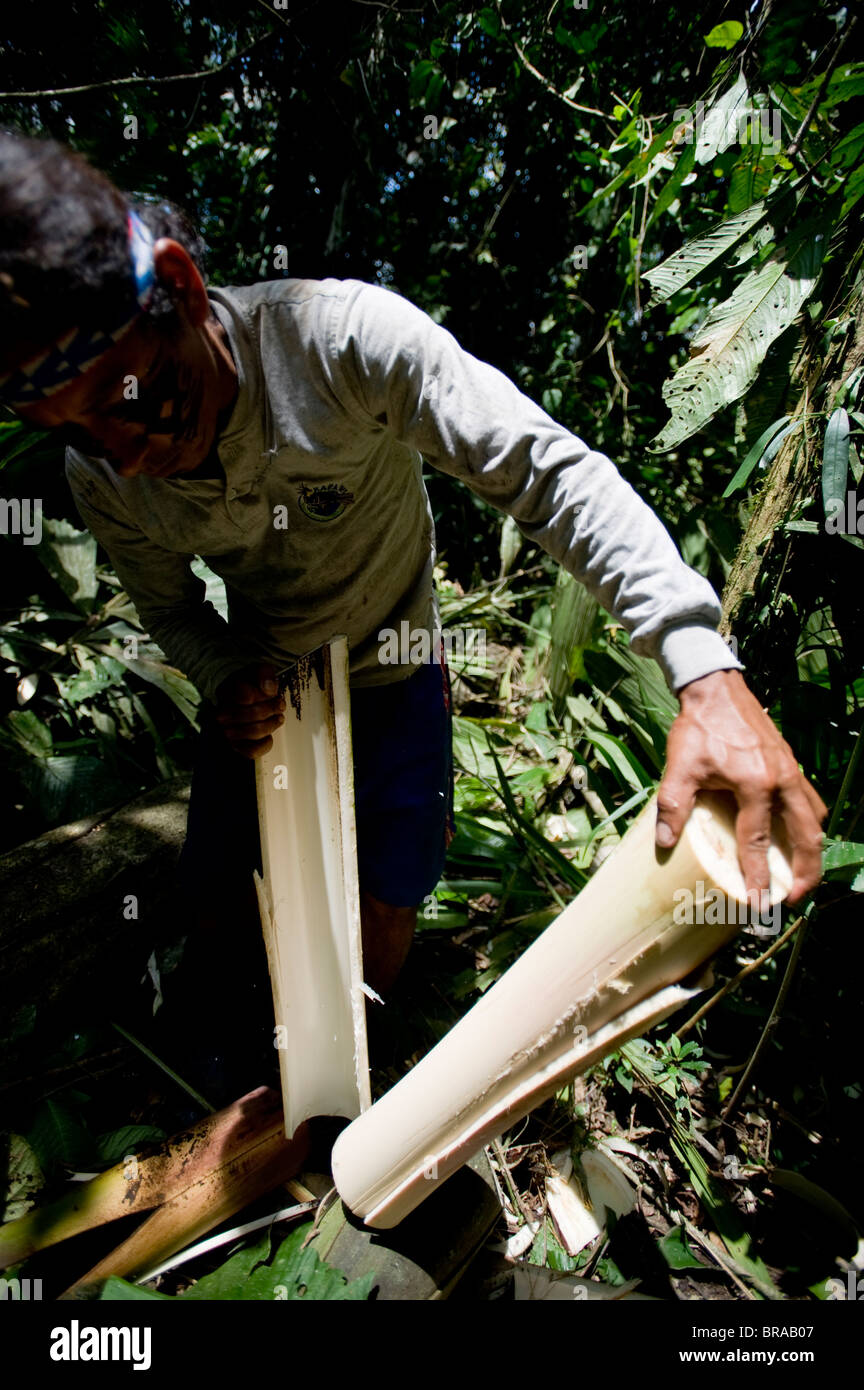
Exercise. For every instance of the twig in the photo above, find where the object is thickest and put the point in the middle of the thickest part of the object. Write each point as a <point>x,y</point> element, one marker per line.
<point>792,150</point>
<point>136,81</point>
<point>550,86</point>
<point>518,1204</point>
<point>224,1237</point>
<point>151,1056</point>
<point>774,1018</point>
<point>736,979</point>
<point>851,769</point>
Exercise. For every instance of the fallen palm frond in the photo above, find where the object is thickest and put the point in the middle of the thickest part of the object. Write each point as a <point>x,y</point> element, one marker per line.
<point>219,1193</point>
<point>604,971</point>
<point>220,1144</point>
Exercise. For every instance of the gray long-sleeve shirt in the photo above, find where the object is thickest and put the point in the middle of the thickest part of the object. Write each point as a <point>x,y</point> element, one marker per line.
<point>322,524</point>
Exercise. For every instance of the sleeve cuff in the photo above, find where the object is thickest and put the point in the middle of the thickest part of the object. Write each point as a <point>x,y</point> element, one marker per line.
<point>685,653</point>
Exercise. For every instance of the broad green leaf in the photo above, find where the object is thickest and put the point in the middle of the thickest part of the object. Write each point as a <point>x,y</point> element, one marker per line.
<point>116,1145</point>
<point>510,544</point>
<point>842,854</point>
<point>725,35</point>
<point>33,736</point>
<point>751,177</point>
<point>573,614</point>
<point>676,1252</point>
<point>214,590</point>
<point>835,461</point>
<point>67,786</point>
<point>719,129</point>
<point>178,689</point>
<point>70,556</point>
<point>16,437</point>
<point>295,1273</point>
<point>729,348</point>
<point>619,756</point>
<point>696,255</point>
<point>58,1136</point>
<point>854,190</point>
<point>23,1179</point>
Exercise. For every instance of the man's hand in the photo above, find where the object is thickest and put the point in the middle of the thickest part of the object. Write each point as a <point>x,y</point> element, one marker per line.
<point>249,707</point>
<point>723,739</point>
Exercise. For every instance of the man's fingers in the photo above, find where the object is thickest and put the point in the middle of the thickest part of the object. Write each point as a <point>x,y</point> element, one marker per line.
<point>250,714</point>
<point>805,837</point>
<point>268,681</point>
<point>253,750</point>
<point>251,731</point>
<point>675,801</point>
<point>753,833</point>
<point>817,805</point>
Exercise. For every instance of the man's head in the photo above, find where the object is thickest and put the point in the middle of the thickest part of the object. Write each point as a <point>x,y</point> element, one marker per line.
<point>106,331</point>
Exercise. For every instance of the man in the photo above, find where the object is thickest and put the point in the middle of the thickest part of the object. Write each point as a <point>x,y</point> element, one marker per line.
<point>277,430</point>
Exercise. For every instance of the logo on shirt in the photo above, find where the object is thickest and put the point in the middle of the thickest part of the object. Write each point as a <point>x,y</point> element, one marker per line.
<point>325,502</point>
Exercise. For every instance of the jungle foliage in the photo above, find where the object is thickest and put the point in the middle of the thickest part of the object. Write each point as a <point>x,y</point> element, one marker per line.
<point>649,217</point>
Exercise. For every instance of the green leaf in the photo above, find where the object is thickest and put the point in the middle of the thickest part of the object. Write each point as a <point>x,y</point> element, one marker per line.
<point>70,556</point>
<point>117,1290</point>
<point>728,350</point>
<point>835,461</point>
<point>775,432</point>
<point>720,125</point>
<point>119,1143</point>
<point>676,1252</point>
<point>58,1137</point>
<point>17,438</point>
<point>854,190</point>
<point>724,35</point>
<point>619,756</point>
<point>841,854</point>
<point>672,186</point>
<point>179,690</point>
<point>33,736</point>
<point>632,171</point>
<point>23,1179</point>
<point>295,1273</point>
<point>751,177</point>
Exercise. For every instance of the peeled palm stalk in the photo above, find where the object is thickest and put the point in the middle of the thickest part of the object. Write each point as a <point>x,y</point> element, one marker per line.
<point>309,896</point>
<point>604,971</point>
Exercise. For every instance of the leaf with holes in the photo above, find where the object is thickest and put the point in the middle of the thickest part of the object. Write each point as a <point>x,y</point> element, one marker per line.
<point>729,349</point>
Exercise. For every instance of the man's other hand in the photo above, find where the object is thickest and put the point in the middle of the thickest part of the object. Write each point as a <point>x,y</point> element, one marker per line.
<point>249,707</point>
<point>723,739</point>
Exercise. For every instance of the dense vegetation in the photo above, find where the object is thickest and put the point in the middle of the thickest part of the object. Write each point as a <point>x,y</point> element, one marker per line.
<point>649,217</point>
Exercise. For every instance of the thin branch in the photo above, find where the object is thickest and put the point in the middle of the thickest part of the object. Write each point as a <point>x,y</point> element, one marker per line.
<point>135,81</point>
<point>770,1027</point>
<point>550,86</point>
<point>802,129</point>
<point>736,979</point>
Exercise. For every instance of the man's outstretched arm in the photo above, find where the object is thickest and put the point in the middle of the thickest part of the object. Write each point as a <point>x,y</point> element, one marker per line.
<point>393,366</point>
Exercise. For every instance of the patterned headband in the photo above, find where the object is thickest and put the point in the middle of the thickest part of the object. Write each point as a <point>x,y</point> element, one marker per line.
<point>78,349</point>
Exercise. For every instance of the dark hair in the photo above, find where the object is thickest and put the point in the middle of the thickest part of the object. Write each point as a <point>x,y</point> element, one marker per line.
<point>64,250</point>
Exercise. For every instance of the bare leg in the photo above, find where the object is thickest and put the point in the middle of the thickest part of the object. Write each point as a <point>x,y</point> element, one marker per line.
<point>387,935</point>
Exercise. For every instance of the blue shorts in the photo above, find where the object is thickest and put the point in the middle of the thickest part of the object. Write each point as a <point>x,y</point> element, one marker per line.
<point>403,796</point>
